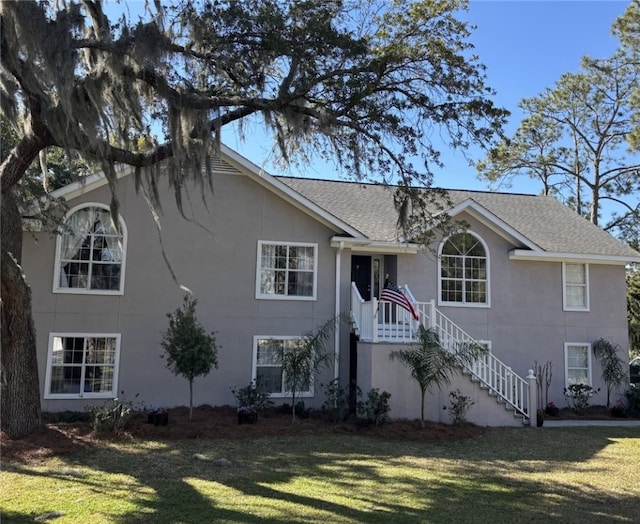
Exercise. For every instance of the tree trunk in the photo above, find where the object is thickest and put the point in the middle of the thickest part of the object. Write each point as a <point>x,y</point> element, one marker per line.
<point>190,400</point>
<point>19,386</point>
<point>578,196</point>
<point>595,207</point>
<point>293,406</point>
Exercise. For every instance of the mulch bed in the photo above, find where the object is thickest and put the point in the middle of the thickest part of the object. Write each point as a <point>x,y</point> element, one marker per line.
<point>593,413</point>
<point>61,438</point>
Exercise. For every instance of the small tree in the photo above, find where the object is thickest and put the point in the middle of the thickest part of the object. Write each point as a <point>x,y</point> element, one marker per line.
<point>189,350</point>
<point>303,361</point>
<point>431,364</point>
<point>613,372</point>
<point>543,379</point>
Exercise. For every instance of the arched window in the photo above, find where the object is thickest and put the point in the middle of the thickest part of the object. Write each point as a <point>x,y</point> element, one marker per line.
<point>90,252</point>
<point>464,270</point>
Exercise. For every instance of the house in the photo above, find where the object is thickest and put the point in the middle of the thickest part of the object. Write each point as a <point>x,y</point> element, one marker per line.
<point>269,258</point>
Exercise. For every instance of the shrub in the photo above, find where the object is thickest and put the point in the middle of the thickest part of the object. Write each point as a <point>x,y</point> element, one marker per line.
<point>375,410</point>
<point>112,416</point>
<point>459,406</point>
<point>578,397</point>
<point>158,416</point>
<point>337,405</point>
<point>249,398</point>
<point>633,396</point>
<point>618,410</point>
<point>551,409</point>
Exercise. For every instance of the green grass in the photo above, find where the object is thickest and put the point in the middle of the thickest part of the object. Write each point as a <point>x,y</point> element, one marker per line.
<point>551,475</point>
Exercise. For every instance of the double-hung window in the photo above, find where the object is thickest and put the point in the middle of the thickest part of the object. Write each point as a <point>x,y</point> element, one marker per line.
<point>90,252</point>
<point>464,271</point>
<point>286,270</point>
<point>577,357</point>
<point>82,365</point>
<point>268,373</point>
<point>575,278</point>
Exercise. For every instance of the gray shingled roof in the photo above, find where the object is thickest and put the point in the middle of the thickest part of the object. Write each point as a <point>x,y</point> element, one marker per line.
<point>543,220</point>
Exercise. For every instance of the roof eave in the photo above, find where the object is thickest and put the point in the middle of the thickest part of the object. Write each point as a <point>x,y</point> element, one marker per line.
<point>245,166</point>
<point>585,258</point>
<point>363,245</point>
<point>89,183</point>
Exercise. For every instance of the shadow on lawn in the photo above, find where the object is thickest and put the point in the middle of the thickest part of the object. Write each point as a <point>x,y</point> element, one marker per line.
<point>502,476</point>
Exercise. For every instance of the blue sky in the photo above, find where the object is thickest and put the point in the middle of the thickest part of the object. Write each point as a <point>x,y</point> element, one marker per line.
<point>526,46</point>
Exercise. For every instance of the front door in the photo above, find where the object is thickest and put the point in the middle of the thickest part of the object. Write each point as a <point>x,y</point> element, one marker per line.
<point>361,275</point>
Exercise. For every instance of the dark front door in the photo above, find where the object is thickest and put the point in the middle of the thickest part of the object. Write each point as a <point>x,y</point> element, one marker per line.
<point>361,275</point>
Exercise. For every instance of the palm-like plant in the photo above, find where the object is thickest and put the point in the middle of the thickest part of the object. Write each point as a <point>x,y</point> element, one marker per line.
<point>613,372</point>
<point>431,364</point>
<point>309,356</point>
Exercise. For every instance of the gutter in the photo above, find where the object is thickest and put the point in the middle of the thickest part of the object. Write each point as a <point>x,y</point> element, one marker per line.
<point>545,256</point>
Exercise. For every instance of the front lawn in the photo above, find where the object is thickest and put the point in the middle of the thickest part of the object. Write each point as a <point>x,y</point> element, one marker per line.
<point>504,475</point>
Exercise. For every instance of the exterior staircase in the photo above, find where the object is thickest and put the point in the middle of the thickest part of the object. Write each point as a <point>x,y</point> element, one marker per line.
<point>381,321</point>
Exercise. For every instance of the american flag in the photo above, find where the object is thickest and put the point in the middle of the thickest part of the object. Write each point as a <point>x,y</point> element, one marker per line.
<point>392,293</point>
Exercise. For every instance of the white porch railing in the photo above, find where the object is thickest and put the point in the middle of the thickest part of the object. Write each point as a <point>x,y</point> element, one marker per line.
<point>381,321</point>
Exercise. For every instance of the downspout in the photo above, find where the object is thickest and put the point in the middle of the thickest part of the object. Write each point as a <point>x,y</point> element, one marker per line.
<point>336,335</point>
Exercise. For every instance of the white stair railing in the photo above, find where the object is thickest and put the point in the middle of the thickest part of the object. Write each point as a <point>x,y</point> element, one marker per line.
<point>376,321</point>
<point>490,371</point>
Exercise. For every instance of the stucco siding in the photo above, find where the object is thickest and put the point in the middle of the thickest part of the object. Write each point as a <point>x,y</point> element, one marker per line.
<point>395,378</point>
<point>214,254</point>
<point>526,322</point>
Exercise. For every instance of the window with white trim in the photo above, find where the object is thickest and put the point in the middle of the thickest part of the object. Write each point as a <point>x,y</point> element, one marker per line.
<point>286,270</point>
<point>267,365</point>
<point>575,278</point>
<point>82,365</point>
<point>463,270</point>
<point>577,358</point>
<point>90,252</point>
